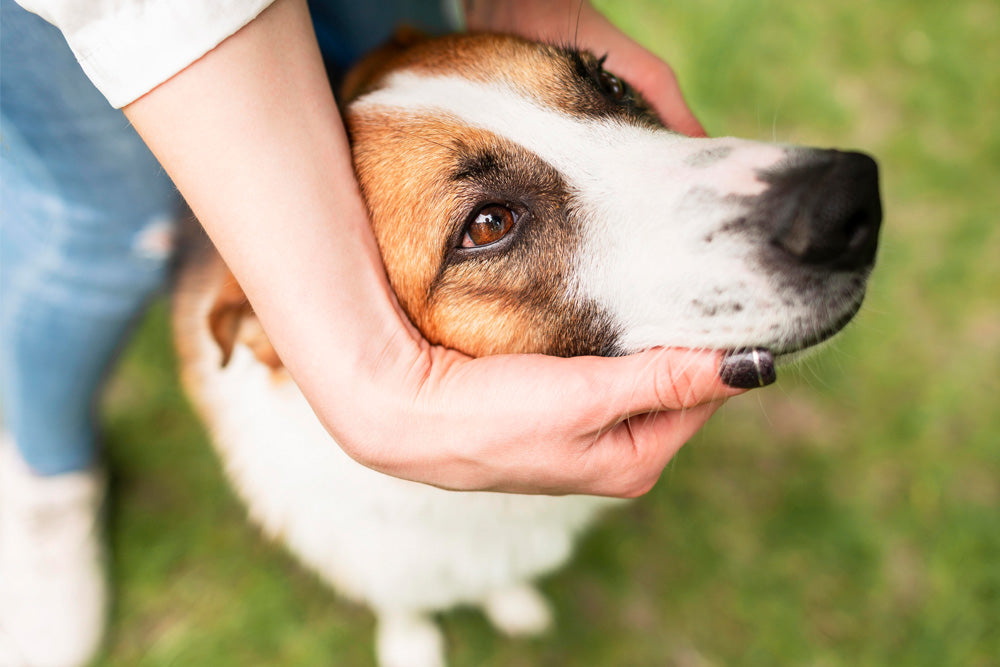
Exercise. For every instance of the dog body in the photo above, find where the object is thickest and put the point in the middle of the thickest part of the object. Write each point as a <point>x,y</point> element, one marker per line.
<point>524,200</point>
<point>404,549</point>
<point>395,545</point>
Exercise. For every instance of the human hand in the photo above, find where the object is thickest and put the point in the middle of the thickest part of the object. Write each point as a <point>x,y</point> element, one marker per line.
<point>529,423</point>
<point>284,210</point>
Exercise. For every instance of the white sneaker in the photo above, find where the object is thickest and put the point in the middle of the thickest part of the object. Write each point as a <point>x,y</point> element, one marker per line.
<point>53,591</point>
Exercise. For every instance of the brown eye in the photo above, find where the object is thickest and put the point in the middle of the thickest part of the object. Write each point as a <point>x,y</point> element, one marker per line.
<point>489,226</point>
<point>612,85</point>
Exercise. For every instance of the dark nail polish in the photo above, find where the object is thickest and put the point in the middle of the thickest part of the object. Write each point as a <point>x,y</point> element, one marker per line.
<point>747,369</point>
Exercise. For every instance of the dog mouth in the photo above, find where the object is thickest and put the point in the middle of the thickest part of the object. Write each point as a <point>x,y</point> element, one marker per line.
<point>756,366</point>
<point>792,347</point>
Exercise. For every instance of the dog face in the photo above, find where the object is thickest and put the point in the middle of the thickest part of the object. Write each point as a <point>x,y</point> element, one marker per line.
<point>526,200</point>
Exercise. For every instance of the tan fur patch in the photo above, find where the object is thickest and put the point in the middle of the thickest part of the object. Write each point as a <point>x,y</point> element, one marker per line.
<point>422,179</point>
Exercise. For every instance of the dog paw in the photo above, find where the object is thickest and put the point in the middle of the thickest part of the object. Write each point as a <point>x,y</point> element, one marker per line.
<point>408,640</point>
<point>519,611</point>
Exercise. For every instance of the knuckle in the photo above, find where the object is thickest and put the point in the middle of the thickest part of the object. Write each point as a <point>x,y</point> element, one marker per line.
<point>640,486</point>
<point>669,379</point>
<point>645,471</point>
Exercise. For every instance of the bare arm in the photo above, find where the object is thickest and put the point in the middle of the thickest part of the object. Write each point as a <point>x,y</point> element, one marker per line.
<point>251,135</point>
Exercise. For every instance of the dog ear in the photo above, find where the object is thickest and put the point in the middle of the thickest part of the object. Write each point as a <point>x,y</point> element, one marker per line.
<point>232,320</point>
<point>363,75</point>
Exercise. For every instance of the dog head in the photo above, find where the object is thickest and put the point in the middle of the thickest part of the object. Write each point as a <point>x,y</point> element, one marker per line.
<point>526,200</point>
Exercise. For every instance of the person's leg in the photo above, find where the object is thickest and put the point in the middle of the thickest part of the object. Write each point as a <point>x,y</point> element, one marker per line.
<point>84,239</point>
<point>85,228</point>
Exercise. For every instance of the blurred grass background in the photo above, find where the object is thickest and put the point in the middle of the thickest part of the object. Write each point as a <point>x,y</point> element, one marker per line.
<point>849,515</point>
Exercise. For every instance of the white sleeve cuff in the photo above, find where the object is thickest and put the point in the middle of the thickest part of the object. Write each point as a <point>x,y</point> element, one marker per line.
<point>127,48</point>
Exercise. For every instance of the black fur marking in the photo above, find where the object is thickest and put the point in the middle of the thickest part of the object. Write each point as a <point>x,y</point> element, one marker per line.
<point>476,166</point>
<point>707,158</point>
<point>587,95</point>
<point>527,270</point>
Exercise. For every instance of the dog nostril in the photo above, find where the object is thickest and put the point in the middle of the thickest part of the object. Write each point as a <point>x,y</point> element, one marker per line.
<point>835,213</point>
<point>857,231</point>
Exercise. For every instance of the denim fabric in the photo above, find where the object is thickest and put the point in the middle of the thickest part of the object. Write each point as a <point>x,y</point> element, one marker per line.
<point>86,218</point>
<point>85,209</point>
<point>347,29</point>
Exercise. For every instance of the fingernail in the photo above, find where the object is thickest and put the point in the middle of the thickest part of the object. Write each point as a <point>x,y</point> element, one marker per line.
<point>747,369</point>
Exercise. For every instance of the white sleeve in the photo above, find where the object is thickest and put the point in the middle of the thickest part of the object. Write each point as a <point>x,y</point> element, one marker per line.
<point>128,47</point>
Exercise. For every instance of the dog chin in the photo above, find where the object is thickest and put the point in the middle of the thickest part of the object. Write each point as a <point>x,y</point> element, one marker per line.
<point>794,351</point>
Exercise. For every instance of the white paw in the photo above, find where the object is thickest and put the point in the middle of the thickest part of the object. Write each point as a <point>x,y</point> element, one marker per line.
<point>408,640</point>
<point>518,611</point>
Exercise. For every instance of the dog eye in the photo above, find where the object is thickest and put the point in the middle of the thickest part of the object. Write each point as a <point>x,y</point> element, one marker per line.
<point>489,226</point>
<point>611,85</point>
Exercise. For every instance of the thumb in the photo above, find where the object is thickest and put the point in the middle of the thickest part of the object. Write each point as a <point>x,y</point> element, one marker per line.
<point>667,379</point>
<point>641,425</point>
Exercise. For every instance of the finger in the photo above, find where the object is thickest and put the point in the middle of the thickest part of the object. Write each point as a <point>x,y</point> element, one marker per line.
<point>665,379</point>
<point>650,75</point>
<point>550,425</point>
<point>658,83</point>
<point>628,460</point>
<point>586,396</point>
<point>669,102</point>
<point>679,117</point>
<point>657,437</point>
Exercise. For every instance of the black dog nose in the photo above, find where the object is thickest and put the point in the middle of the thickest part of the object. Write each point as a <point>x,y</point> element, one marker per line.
<point>832,211</point>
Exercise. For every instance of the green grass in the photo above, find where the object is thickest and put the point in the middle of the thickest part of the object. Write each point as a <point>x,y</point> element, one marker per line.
<point>847,516</point>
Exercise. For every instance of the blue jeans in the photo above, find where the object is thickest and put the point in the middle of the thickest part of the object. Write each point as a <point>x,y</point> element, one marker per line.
<point>86,219</point>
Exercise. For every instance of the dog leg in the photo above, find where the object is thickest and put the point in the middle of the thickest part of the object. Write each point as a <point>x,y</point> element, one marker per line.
<point>408,639</point>
<point>518,611</point>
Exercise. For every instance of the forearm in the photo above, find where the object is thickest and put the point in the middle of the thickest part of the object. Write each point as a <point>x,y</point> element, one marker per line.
<point>251,135</point>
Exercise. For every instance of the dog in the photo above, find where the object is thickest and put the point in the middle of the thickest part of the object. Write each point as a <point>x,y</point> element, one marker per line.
<point>524,200</point>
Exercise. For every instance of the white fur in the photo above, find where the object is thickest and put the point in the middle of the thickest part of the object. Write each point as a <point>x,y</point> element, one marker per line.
<point>404,549</point>
<point>518,611</point>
